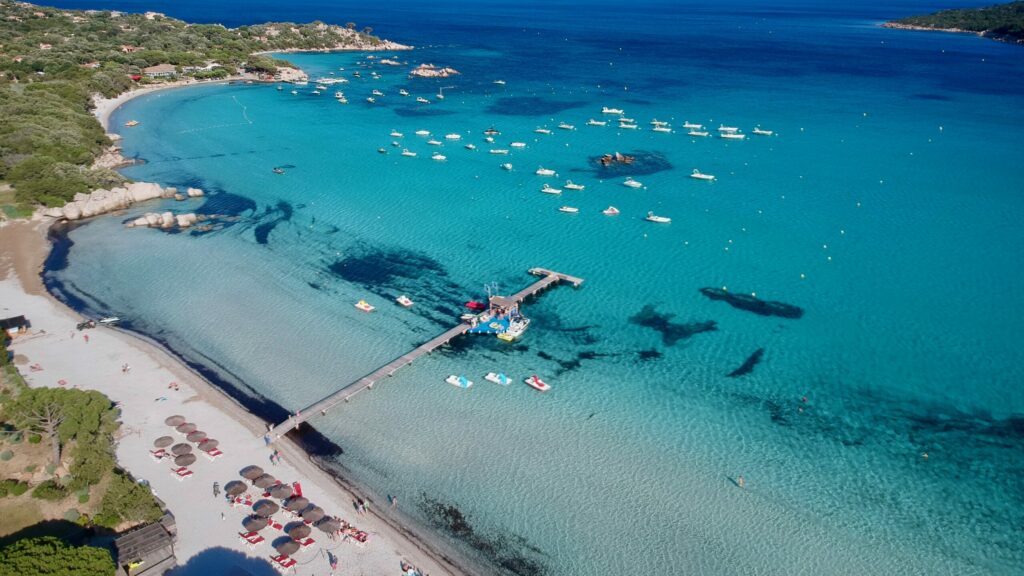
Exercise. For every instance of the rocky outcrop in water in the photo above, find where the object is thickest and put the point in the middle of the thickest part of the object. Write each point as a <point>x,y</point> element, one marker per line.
<point>164,220</point>
<point>753,304</point>
<point>431,71</point>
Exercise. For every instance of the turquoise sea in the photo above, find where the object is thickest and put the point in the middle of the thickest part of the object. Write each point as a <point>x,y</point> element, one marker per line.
<point>886,205</point>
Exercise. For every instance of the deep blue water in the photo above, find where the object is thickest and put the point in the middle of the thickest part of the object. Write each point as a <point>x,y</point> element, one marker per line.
<point>886,207</point>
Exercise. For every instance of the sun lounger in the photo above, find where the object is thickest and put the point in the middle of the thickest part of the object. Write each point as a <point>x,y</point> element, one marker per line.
<point>282,562</point>
<point>213,454</point>
<point>181,473</point>
<point>157,455</point>
<point>306,542</point>
<point>276,525</point>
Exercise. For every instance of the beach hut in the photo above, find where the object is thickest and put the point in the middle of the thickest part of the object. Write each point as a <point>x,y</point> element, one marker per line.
<point>176,420</point>
<point>185,460</point>
<point>265,508</point>
<point>163,442</point>
<point>255,523</point>
<point>251,472</point>
<point>299,531</point>
<point>208,444</point>
<point>185,428</point>
<point>235,487</point>
<point>296,503</point>
<point>329,524</point>
<point>150,549</point>
<point>281,491</point>
<point>179,449</point>
<point>264,481</point>
<point>196,436</point>
<point>286,546</point>
<point>312,513</point>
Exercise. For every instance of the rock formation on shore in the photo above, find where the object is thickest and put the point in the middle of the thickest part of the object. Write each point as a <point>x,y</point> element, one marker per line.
<point>103,201</point>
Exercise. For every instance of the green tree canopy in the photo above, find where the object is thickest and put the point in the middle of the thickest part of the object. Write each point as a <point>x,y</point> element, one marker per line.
<point>52,557</point>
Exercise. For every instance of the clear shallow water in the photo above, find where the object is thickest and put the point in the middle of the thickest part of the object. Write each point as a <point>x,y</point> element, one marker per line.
<point>907,344</point>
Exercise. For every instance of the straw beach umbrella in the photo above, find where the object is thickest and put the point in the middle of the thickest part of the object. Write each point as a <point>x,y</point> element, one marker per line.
<point>251,472</point>
<point>186,428</point>
<point>265,508</point>
<point>286,546</point>
<point>312,513</point>
<point>295,504</point>
<point>329,524</point>
<point>185,460</point>
<point>255,523</point>
<point>179,449</point>
<point>265,481</point>
<point>281,491</point>
<point>208,444</point>
<point>235,487</point>
<point>196,437</point>
<point>299,531</point>
<point>176,420</point>
<point>163,442</point>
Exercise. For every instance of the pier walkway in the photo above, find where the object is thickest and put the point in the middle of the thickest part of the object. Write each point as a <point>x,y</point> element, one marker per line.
<point>548,278</point>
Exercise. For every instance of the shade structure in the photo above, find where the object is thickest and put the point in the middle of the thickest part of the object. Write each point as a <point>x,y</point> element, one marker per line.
<point>281,491</point>
<point>265,508</point>
<point>163,442</point>
<point>251,472</point>
<point>197,436</point>
<point>176,420</point>
<point>299,531</point>
<point>265,481</point>
<point>312,513</point>
<point>179,449</point>
<point>286,546</point>
<point>185,428</point>
<point>329,524</point>
<point>208,444</point>
<point>255,523</point>
<point>235,487</point>
<point>296,503</point>
<point>185,460</point>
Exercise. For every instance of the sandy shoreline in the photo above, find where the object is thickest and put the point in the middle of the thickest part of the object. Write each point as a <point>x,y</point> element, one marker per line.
<point>146,401</point>
<point>105,107</point>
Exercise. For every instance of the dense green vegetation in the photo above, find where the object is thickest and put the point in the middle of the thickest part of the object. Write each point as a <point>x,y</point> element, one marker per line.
<point>1005,21</point>
<point>52,61</point>
<point>51,556</point>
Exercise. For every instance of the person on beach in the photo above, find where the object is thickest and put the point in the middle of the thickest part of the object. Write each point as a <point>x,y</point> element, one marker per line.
<point>394,502</point>
<point>741,482</point>
<point>216,489</point>
<point>86,338</point>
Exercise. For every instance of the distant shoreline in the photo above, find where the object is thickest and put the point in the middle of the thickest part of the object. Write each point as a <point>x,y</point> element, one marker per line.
<point>1009,39</point>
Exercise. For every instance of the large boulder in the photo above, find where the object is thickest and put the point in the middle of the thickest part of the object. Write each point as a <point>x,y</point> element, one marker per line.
<point>153,219</point>
<point>72,211</point>
<point>185,220</point>
<point>194,192</point>
<point>167,220</point>
<point>142,191</point>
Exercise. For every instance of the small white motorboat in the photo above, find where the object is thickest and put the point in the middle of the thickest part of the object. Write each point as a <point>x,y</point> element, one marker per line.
<point>724,128</point>
<point>632,183</point>
<point>506,166</point>
<point>664,129</point>
<point>377,93</point>
<point>692,125</point>
<point>371,100</point>
<point>499,151</point>
<point>518,144</point>
<point>434,142</point>
<point>569,209</point>
<point>761,132</point>
<point>607,110</point>
<point>396,134</point>
<point>499,82</point>
<point>566,126</point>
<point>339,95</point>
<point>407,152</point>
<point>321,87</point>
<point>610,211</point>
<point>651,217</point>
<point>365,306</point>
<point>423,132</point>
<point>593,122</point>
<point>295,91</point>
<point>627,120</point>
<point>498,378</point>
<point>489,140</point>
<point>697,174</point>
<point>570,185</point>
<point>657,122</point>
<point>109,320</point>
<point>542,131</point>
<point>732,136</point>
<point>535,382</point>
<point>279,88</point>
<point>470,146</point>
<point>404,300</point>
<point>403,92</point>
<point>492,131</point>
<point>422,100</point>
<point>628,126</point>
<point>382,150</point>
<point>315,92</point>
<point>697,133</point>
<point>549,190</point>
<point>542,171</point>
<point>439,157</point>
<point>453,136</point>
<point>395,143</point>
<point>459,381</point>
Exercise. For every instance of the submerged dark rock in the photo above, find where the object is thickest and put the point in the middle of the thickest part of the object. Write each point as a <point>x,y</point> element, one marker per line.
<point>642,162</point>
<point>647,355</point>
<point>748,365</point>
<point>671,332</point>
<point>272,216</point>
<point>531,106</point>
<point>753,304</point>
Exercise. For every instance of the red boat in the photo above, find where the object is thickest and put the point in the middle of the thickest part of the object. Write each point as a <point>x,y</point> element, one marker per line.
<point>474,305</point>
<point>537,383</point>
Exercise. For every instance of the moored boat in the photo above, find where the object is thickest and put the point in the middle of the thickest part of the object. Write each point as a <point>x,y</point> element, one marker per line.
<point>697,174</point>
<point>506,166</point>
<point>652,217</point>
<point>549,190</point>
<point>396,134</point>
<point>593,122</point>
<point>542,171</point>
<point>404,300</point>
<point>607,110</point>
<point>692,125</point>
<point>498,378</point>
<point>726,129</point>
<point>566,126</point>
<point>499,151</point>
<point>697,133</point>
<point>434,142</point>
<point>453,136</point>
<point>610,211</point>
<point>542,131</point>
<point>762,132</point>
<point>569,209</point>
<point>459,381</point>
<point>664,129</point>
<point>732,136</point>
<point>518,144</point>
<point>423,132</point>
<point>278,170</point>
<point>131,123</point>
<point>470,146</point>
<point>438,157</point>
<point>403,92</point>
<point>365,306</point>
<point>628,126</point>
<point>632,183</point>
<point>535,382</point>
<point>407,152</point>
<point>422,100</point>
<point>570,185</point>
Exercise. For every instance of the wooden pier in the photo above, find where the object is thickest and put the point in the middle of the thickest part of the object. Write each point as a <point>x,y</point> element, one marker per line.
<point>548,278</point>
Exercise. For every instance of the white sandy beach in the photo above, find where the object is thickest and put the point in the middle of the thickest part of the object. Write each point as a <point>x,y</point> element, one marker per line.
<point>105,107</point>
<point>146,401</point>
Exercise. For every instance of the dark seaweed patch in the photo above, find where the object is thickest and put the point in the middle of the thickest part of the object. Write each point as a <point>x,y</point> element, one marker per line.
<point>531,106</point>
<point>225,203</point>
<point>754,304</point>
<point>644,162</point>
<point>272,216</point>
<point>421,111</point>
<point>671,332</point>
<point>509,551</point>
<point>647,355</point>
<point>748,365</point>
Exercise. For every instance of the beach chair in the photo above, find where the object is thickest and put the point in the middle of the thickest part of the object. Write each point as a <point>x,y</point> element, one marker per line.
<point>276,526</point>
<point>157,455</point>
<point>213,454</point>
<point>182,473</point>
<point>307,542</point>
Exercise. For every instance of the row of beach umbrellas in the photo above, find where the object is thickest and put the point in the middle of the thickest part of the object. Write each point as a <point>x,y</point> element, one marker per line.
<point>192,434</point>
<point>264,509</point>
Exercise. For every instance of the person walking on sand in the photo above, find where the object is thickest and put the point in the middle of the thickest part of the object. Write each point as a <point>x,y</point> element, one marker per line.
<point>216,489</point>
<point>741,482</point>
<point>394,502</point>
<point>86,338</point>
